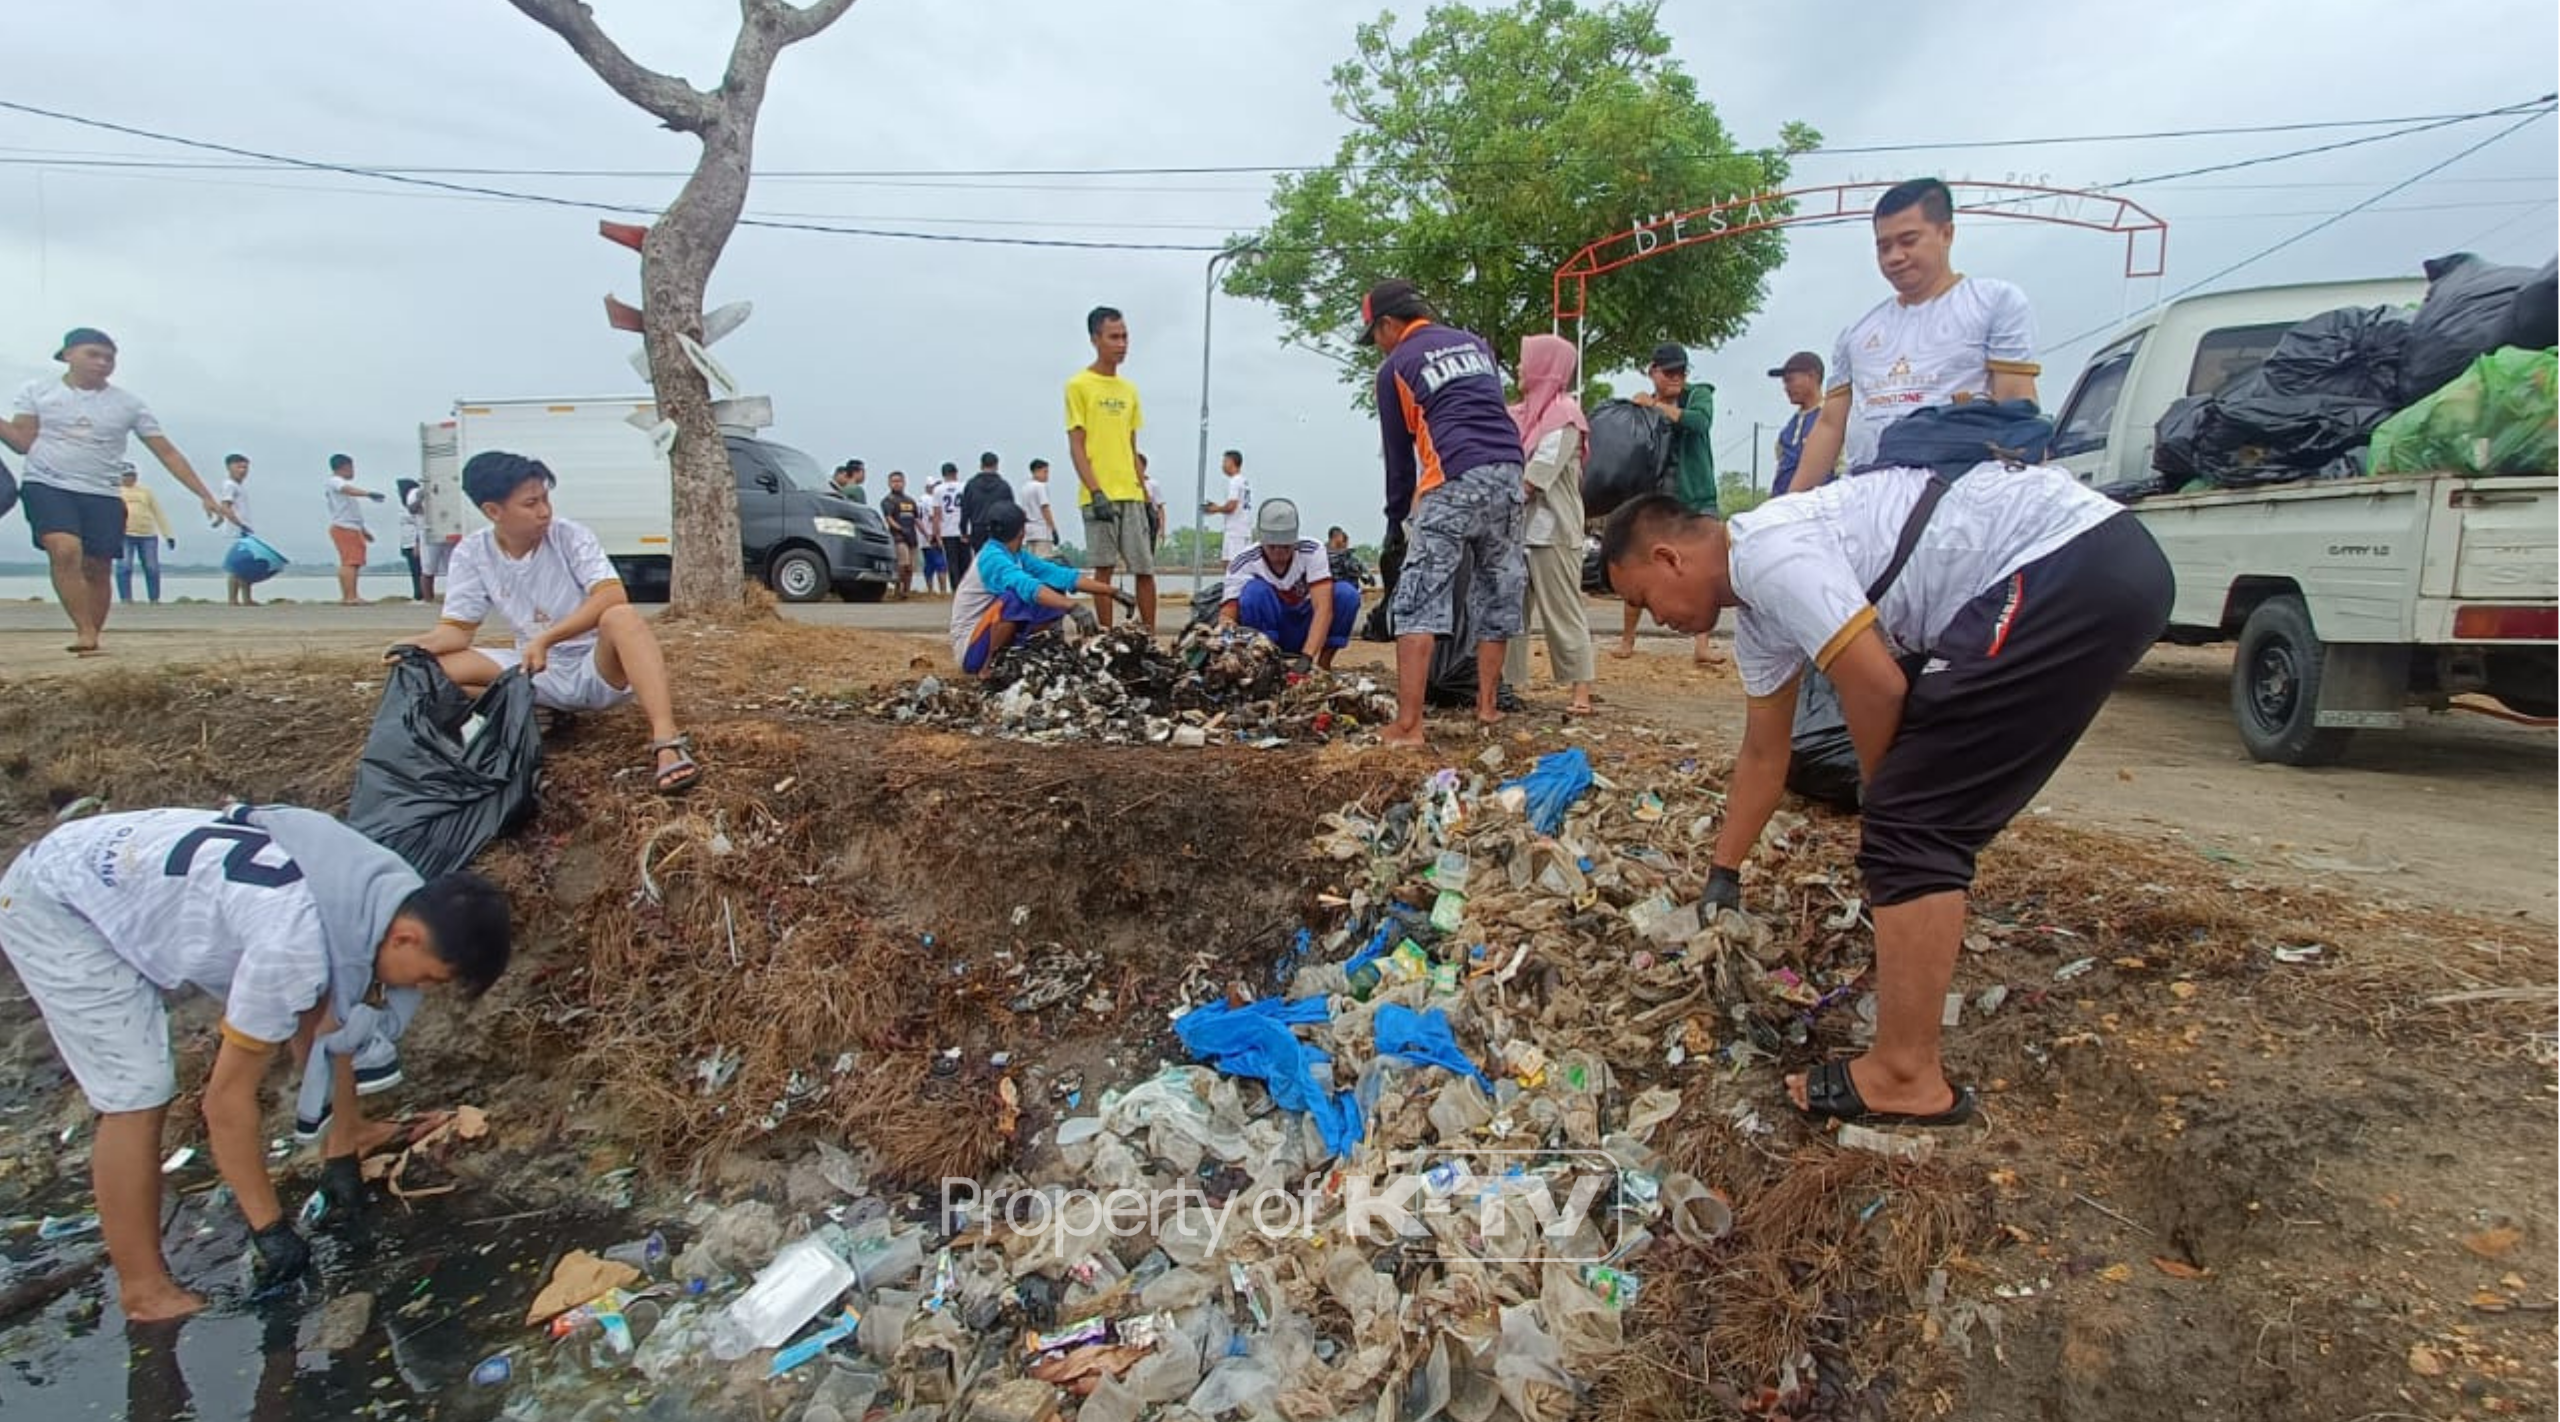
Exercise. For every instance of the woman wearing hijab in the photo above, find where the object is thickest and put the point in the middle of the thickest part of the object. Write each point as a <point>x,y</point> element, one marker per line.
<point>1552,430</point>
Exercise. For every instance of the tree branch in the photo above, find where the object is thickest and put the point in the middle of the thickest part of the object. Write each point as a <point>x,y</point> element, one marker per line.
<point>794,23</point>
<point>675,103</point>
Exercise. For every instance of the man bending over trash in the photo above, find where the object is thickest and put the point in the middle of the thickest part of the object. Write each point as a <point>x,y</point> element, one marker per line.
<point>1007,594</point>
<point>577,634</point>
<point>1284,588</point>
<point>311,934</point>
<point>1973,630</point>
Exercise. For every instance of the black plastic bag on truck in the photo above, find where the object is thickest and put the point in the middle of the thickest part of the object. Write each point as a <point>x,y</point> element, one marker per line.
<point>432,786</point>
<point>2467,314</point>
<point>2353,352</point>
<point>2176,451</point>
<point>1824,765</point>
<point>2252,436</point>
<point>2533,321</point>
<point>1626,456</point>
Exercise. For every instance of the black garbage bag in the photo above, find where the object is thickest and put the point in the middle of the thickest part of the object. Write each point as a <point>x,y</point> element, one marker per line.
<point>2354,352</point>
<point>1453,655</point>
<point>1952,439</point>
<point>428,794</point>
<point>2175,452</point>
<point>8,489</point>
<point>1824,766</point>
<point>2533,321</point>
<point>2252,436</point>
<point>1626,456</point>
<point>2468,313</point>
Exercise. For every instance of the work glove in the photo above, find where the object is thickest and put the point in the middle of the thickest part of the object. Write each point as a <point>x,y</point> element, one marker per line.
<point>1086,624</point>
<point>283,1257</point>
<point>1101,510</point>
<point>1724,892</point>
<point>342,1185</point>
<point>377,498</point>
<point>1128,601</point>
<point>1300,664</point>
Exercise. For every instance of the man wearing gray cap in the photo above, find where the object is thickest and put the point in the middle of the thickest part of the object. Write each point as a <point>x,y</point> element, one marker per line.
<point>73,432</point>
<point>1284,588</point>
<point>1801,378</point>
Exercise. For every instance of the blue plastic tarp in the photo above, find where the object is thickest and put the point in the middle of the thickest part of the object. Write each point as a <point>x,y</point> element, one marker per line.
<point>1424,1037</point>
<point>1255,1041</point>
<point>1554,784</point>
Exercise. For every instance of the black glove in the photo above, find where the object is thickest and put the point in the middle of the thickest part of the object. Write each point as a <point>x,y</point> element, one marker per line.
<point>1099,510</point>
<point>342,1185</point>
<point>1724,891</point>
<point>1086,623</point>
<point>1128,601</point>
<point>1301,663</point>
<point>283,1258</point>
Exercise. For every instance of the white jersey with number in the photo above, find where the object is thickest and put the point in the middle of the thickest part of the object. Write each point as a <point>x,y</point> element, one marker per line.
<point>532,592</point>
<point>1897,358</point>
<point>191,899</point>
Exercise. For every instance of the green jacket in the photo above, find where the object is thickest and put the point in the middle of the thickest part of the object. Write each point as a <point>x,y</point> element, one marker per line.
<point>1693,449</point>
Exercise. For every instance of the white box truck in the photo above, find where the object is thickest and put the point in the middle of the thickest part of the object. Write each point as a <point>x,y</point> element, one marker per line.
<point>2349,599</point>
<point>797,536</point>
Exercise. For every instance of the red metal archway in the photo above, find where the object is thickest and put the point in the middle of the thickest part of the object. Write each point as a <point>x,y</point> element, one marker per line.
<point>2146,236</point>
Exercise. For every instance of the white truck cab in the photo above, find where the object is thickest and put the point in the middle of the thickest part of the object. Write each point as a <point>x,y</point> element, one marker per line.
<point>2349,599</point>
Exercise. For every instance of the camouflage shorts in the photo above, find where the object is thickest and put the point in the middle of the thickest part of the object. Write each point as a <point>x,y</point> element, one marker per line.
<point>1481,512</point>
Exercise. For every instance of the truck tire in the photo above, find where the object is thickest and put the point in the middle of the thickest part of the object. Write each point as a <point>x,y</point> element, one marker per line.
<point>2275,687</point>
<point>799,575</point>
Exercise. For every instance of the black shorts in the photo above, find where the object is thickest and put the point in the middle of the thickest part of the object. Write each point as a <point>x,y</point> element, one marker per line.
<point>2001,700</point>
<point>97,518</point>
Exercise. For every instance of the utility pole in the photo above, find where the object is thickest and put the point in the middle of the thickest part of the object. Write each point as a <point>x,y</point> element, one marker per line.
<point>1200,476</point>
<point>1755,456</point>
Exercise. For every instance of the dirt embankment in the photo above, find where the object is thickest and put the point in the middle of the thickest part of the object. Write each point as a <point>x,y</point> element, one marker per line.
<point>2215,1182</point>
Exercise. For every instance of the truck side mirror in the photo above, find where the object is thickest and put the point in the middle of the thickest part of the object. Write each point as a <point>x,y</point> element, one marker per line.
<point>768,483</point>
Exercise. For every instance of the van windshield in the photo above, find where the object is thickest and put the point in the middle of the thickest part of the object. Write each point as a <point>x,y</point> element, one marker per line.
<point>798,470</point>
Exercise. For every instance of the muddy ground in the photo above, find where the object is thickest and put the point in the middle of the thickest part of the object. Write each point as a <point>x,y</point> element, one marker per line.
<point>2213,1183</point>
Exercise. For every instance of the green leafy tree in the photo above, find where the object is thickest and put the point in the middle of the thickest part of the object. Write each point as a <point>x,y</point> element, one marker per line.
<point>1737,493</point>
<point>1491,145</point>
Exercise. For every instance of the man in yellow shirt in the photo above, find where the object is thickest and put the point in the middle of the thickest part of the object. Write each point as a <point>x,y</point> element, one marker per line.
<point>144,527</point>
<point>1102,442</point>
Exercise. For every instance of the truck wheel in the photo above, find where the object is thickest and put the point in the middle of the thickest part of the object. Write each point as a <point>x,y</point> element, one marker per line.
<point>2275,688</point>
<point>798,575</point>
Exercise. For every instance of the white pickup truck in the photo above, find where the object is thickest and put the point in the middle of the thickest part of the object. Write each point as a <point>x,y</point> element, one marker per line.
<point>2350,599</point>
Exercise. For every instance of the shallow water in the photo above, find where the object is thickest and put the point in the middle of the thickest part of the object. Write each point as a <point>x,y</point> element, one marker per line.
<point>449,1282</point>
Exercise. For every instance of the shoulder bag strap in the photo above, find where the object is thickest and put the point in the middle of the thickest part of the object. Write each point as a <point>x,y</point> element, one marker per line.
<point>1930,494</point>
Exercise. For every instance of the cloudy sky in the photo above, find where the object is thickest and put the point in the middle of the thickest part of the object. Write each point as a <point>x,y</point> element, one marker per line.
<point>291,314</point>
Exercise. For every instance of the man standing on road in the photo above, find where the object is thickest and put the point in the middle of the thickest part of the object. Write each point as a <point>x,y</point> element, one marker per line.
<point>1693,461</point>
<point>234,496</point>
<point>73,432</point>
<point>953,529</point>
<point>1103,420</point>
<point>347,533</point>
<point>1973,630</point>
<point>985,489</point>
<point>1155,505</point>
<point>1040,521</point>
<point>929,534</point>
<point>144,528</point>
<point>301,926</point>
<point>1455,485</point>
<point>1237,530</point>
<point>1942,338</point>
<point>906,527</point>
<point>1801,379</point>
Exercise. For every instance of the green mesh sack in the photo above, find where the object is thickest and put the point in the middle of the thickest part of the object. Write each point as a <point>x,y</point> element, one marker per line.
<point>2498,417</point>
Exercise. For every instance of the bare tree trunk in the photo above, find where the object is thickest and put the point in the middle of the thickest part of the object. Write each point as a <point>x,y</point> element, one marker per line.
<point>679,254</point>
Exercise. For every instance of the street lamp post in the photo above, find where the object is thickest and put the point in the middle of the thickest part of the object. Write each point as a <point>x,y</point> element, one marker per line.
<point>1200,476</point>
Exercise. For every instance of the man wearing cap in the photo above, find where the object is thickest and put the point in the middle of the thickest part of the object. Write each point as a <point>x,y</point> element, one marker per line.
<point>1801,379</point>
<point>1103,420</point>
<point>73,432</point>
<point>577,635</point>
<point>1007,594</point>
<point>1283,586</point>
<point>1455,486</point>
<point>1693,461</point>
<point>1942,338</point>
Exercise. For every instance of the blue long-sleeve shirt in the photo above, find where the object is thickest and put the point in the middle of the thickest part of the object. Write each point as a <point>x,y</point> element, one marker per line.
<point>1440,412</point>
<point>996,573</point>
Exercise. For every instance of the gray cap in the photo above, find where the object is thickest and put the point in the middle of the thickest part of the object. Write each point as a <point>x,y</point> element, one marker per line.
<point>1276,521</point>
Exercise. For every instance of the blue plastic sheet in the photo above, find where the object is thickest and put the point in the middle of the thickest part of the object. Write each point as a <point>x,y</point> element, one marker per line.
<point>1554,784</point>
<point>1425,1037</point>
<point>1255,1041</point>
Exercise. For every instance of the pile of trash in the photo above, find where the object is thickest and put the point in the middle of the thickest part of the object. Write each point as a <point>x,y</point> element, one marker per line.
<point>1399,1178</point>
<point>1223,685</point>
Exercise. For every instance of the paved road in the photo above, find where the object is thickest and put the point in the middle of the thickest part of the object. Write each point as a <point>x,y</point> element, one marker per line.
<point>2456,810</point>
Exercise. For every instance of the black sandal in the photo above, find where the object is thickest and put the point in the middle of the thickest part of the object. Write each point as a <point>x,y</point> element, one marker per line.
<point>1830,1094</point>
<point>681,775</point>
